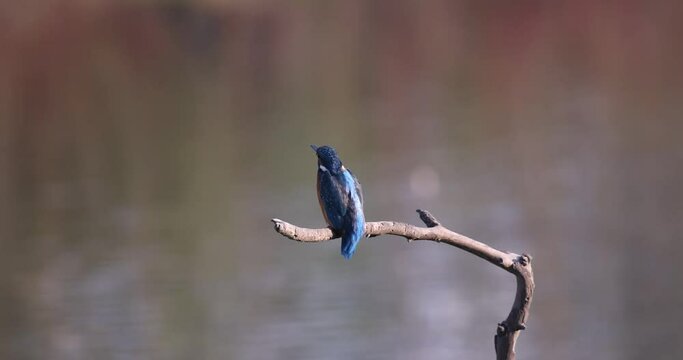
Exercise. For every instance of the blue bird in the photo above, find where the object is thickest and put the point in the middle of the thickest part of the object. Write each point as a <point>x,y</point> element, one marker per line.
<point>341,199</point>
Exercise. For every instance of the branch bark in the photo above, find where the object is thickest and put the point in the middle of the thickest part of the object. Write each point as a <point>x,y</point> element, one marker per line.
<point>507,331</point>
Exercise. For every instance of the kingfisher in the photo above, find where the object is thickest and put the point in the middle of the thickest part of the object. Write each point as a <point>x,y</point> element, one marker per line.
<point>341,199</point>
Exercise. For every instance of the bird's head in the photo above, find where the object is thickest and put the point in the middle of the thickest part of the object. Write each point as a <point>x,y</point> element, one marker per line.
<point>328,159</point>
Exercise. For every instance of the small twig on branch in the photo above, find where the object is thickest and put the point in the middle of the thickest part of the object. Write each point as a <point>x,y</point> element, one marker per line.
<point>507,331</point>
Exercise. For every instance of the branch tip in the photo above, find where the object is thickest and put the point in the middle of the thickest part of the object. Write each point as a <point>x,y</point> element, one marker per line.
<point>527,259</point>
<point>501,330</point>
<point>524,259</point>
<point>428,218</point>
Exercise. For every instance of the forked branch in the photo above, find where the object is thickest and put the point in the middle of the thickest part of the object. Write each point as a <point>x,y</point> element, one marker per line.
<point>507,331</point>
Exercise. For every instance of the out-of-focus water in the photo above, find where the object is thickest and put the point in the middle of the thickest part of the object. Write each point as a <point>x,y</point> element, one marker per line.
<point>144,150</point>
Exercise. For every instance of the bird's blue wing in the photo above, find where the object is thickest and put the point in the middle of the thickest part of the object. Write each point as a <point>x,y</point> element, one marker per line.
<point>354,220</point>
<point>333,197</point>
<point>359,189</point>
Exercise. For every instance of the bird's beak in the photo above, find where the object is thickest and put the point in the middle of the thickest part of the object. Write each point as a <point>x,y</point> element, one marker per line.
<point>315,148</point>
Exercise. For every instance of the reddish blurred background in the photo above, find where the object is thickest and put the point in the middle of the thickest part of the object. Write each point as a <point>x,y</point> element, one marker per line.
<point>144,146</point>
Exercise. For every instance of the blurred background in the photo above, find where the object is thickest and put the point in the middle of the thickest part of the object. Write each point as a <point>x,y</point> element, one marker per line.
<point>145,145</point>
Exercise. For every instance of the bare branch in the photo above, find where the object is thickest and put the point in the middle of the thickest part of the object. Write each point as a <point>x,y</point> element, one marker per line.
<point>507,331</point>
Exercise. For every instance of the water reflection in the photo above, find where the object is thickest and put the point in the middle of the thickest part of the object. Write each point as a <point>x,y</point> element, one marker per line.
<point>145,148</point>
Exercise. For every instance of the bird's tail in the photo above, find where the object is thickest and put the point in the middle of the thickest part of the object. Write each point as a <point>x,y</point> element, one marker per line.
<point>351,236</point>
